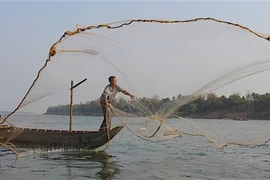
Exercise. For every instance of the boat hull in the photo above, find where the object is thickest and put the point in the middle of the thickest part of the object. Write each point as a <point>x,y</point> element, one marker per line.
<point>55,139</point>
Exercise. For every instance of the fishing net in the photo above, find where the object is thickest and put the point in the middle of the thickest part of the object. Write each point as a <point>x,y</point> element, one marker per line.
<point>184,74</point>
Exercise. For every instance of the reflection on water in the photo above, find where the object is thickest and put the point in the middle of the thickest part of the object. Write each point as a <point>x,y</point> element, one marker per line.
<point>7,158</point>
<point>91,163</point>
<point>64,165</point>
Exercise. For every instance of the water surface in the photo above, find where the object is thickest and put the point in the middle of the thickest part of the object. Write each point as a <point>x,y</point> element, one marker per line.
<point>129,157</point>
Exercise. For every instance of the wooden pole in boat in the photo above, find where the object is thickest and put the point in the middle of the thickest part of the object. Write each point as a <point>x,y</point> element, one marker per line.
<point>71,107</point>
<point>71,102</point>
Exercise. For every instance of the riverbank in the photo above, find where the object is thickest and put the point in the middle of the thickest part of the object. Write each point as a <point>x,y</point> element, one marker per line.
<point>233,115</point>
<point>213,115</point>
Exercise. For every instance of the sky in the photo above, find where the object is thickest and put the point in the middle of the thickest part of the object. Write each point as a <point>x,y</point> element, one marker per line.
<point>28,29</point>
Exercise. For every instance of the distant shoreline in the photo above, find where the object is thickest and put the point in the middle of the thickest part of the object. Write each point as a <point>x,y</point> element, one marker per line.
<point>238,116</point>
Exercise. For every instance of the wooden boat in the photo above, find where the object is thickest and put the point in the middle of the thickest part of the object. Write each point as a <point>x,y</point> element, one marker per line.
<point>54,139</point>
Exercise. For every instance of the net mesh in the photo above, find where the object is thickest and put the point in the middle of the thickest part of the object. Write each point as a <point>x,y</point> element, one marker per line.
<point>173,68</point>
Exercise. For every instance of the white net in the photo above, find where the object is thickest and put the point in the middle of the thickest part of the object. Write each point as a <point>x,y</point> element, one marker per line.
<point>201,68</point>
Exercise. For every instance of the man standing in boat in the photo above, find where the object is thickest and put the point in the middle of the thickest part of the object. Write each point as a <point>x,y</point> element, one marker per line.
<point>106,98</point>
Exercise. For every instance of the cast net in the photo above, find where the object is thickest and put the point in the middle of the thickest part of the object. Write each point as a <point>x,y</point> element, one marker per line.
<point>184,74</point>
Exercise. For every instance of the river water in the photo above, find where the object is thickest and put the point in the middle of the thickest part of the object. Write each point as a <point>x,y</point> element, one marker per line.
<point>129,157</point>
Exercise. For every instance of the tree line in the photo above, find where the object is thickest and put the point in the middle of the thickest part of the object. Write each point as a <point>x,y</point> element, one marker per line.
<point>256,106</point>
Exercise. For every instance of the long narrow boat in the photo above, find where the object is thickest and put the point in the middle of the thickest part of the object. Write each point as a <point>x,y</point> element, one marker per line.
<point>54,139</point>
<point>18,137</point>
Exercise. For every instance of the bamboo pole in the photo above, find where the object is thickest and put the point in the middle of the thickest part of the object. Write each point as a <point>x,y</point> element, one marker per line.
<point>71,101</point>
<point>72,87</point>
<point>71,106</point>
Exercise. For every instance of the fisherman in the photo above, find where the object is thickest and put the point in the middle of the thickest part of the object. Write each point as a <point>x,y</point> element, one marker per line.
<point>105,100</point>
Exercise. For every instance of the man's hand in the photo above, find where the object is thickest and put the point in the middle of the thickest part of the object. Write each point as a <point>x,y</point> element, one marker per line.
<point>108,105</point>
<point>132,97</point>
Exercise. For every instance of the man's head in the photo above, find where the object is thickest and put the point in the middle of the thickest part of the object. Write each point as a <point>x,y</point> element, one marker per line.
<point>113,80</point>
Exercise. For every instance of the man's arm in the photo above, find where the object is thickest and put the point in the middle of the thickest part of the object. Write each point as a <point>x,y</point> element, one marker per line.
<point>105,96</point>
<point>106,101</point>
<point>127,93</point>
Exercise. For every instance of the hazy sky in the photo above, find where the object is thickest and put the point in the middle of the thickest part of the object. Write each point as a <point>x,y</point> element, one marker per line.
<point>28,29</point>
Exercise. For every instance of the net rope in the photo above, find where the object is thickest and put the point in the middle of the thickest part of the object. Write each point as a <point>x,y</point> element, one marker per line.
<point>149,115</point>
